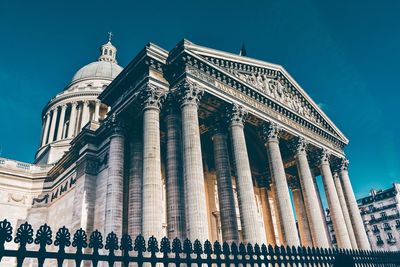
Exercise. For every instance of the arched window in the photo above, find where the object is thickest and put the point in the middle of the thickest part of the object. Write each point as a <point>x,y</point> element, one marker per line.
<point>110,53</point>
<point>105,51</point>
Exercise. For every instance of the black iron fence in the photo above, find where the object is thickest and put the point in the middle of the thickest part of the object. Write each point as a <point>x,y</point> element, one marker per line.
<point>93,250</point>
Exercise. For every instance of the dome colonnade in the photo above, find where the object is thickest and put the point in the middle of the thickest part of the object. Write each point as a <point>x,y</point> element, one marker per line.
<point>69,111</point>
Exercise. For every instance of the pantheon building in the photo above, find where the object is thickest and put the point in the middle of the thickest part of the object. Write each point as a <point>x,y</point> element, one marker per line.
<point>191,143</point>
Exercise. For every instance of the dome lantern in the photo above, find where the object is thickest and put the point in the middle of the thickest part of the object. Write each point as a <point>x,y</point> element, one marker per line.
<point>108,51</point>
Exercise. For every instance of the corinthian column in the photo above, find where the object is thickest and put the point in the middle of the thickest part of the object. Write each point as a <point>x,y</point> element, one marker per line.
<point>339,224</point>
<point>135,185</point>
<point>72,120</point>
<point>152,183</point>
<point>54,115</point>
<point>226,199</point>
<point>61,122</point>
<point>345,211</point>
<point>176,221</point>
<point>46,129</point>
<point>267,216</point>
<point>196,209</point>
<point>354,212</point>
<point>289,230</point>
<point>302,222</point>
<point>85,114</point>
<point>97,111</point>
<point>114,191</point>
<point>315,218</point>
<point>252,232</point>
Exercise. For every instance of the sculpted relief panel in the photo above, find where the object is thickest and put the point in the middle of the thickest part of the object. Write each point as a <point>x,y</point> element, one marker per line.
<point>279,92</point>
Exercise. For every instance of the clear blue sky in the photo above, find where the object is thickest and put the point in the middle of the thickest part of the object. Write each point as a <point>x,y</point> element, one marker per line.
<point>345,54</point>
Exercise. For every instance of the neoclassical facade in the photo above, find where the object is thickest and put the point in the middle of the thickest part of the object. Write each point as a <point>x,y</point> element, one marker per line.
<point>191,143</point>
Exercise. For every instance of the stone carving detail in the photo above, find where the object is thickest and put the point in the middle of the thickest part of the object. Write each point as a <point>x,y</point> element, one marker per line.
<point>237,115</point>
<point>17,198</point>
<point>298,145</point>
<point>152,96</point>
<point>344,164</point>
<point>324,157</point>
<point>279,91</point>
<point>189,93</point>
<point>115,124</point>
<point>270,131</point>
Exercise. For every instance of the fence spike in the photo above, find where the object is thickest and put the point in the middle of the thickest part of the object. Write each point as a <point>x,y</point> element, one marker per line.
<point>140,245</point>
<point>63,238</point>
<point>96,241</point>
<point>234,249</point>
<point>208,248</point>
<point>80,239</point>
<point>257,250</point>
<point>242,249</point>
<point>43,237</point>
<point>197,247</point>
<point>5,235</point>
<point>187,247</point>
<point>152,245</point>
<point>176,246</point>
<point>165,246</point>
<point>226,249</point>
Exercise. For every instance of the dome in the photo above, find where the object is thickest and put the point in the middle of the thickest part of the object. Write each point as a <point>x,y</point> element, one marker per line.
<point>98,69</point>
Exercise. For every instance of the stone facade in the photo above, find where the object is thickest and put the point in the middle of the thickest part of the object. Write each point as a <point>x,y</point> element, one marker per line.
<point>193,143</point>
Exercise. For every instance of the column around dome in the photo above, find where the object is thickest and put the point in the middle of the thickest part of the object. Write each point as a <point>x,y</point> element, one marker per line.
<point>72,119</point>
<point>46,129</point>
<point>61,122</point>
<point>54,115</point>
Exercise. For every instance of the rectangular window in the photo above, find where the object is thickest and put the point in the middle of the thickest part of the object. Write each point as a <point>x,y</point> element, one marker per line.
<point>378,237</point>
<point>389,235</point>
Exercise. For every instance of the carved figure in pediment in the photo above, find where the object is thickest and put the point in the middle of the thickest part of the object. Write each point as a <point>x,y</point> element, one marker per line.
<point>273,87</point>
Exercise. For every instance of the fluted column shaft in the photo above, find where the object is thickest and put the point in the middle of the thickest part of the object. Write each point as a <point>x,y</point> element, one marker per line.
<point>345,211</point>
<point>339,224</point>
<point>61,122</point>
<point>267,216</point>
<point>135,185</point>
<point>53,125</point>
<point>152,183</point>
<point>225,193</point>
<point>96,114</point>
<point>46,129</point>
<point>114,191</point>
<point>284,204</point>
<point>302,222</point>
<point>176,221</point>
<point>354,212</point>
<point>85,114</point>
<point>252,232</point>
<point>310,195</point>
<point>196,207</point>
<point>72,120</point>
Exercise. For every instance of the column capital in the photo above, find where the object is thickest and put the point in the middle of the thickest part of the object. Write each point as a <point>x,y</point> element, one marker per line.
<point>298,145</point>
<point>344,164</point>
<point>236,114</point>
<point>86,102</point>
<point>189,93</point>
<point>64,106</point>
<point>152,96</point>
<point>270,132</point>
<point>115,125</point>
<point>74,103</point>
<point>323,157</point>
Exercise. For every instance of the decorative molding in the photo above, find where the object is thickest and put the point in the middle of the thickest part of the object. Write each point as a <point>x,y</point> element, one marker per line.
<point>263,103</point>
<point>115,124</point>
<point>324,157</point>
<point>344,164</point>
<point>152,96</point>
<point>270,131</point>
<point>188,93</point>
<point>298,145</point>
<point>237,114</point>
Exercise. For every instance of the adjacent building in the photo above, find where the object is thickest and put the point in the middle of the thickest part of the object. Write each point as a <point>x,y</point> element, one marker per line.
<point>191,143</point>
<point>380,212</point>
<point>381,215</point>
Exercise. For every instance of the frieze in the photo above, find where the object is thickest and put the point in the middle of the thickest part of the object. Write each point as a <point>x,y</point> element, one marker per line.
<point>17,198</point>
<point>263,108</point>
<point>280,92</point>
<point>54,194</point>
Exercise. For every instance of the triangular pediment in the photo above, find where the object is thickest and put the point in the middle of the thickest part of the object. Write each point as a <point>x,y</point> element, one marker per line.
<point>273,81</point>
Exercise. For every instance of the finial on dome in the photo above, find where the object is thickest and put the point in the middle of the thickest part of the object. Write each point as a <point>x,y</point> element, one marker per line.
<point>108,51</point>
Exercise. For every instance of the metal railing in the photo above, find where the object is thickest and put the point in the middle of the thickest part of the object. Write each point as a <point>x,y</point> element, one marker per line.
<point>93,250</point>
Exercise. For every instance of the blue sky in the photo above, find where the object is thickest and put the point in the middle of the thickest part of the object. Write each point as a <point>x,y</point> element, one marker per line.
<point>345,54</point>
